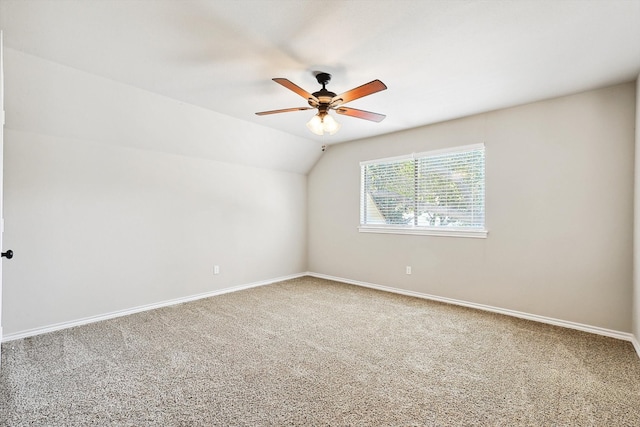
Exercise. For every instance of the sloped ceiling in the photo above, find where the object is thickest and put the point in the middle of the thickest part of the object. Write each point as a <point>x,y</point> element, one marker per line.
<point>440,59</point>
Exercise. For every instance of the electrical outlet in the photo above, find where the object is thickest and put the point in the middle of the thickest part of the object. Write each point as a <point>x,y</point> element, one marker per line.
<point>216,269</point>
<point>408,269</point>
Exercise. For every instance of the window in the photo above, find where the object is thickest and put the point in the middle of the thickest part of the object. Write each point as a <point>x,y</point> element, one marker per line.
<point>436,193</point>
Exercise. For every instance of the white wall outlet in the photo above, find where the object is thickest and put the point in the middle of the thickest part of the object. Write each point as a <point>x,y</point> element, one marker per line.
<point>216,269</point>
<point>408,269</point>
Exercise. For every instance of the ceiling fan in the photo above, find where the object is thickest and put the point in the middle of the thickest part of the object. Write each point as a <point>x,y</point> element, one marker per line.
<point>325,100</point>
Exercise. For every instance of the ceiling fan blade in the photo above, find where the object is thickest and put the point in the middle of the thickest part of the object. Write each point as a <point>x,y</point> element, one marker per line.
<point>361,114</point>
<point>359,92</point>
<point>295,88</point>
<point>285,110</point>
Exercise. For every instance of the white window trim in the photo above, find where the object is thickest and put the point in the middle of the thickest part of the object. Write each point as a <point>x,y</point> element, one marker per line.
<point>458,149</point>
<point>478,233</point>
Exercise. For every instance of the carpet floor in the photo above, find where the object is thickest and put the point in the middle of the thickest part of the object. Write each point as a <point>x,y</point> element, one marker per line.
<point>312,352</point>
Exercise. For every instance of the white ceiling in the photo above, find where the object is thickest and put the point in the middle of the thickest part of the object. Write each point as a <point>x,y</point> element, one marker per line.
<point>440,59</point>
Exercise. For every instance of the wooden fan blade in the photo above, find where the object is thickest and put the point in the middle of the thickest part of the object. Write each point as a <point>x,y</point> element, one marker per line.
<point>361,114</point>
<point>359,92</point>
<point>295,88</point>
<point>285,110</point>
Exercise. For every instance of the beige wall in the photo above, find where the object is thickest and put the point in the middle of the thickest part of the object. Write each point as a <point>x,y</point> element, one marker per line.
<point>98,227</point>
<point>559,207</point>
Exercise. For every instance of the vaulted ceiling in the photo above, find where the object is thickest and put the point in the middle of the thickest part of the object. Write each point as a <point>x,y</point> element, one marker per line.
<point>440,59</point>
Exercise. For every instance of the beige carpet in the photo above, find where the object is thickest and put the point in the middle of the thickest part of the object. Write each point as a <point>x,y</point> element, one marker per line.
<point>314,352</point>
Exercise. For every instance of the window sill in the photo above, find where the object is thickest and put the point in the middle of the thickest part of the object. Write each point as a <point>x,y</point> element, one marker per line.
<point>420,231</point>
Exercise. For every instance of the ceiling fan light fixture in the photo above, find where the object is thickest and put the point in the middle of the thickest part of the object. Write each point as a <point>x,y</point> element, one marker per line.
<point>315,125</point>
<point>330,125</point>
<point>323,122</point>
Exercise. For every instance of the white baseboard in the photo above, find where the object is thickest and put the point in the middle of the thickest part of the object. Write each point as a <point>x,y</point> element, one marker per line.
<point>536,318</point>
<point>84,321</point>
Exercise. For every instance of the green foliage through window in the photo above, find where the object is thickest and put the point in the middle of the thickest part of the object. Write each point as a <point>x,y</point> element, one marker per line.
<point>439,189</point>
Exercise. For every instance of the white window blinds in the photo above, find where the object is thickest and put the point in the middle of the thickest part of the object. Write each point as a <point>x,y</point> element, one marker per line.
<point>437,190</point>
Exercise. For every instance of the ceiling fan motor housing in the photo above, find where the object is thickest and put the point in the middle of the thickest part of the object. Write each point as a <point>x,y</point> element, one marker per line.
<point>324,96</point>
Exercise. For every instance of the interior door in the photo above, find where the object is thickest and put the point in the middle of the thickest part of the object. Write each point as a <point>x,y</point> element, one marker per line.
<point>1,172</point>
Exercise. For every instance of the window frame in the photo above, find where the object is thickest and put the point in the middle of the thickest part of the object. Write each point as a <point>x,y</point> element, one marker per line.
<point>470,232</point>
